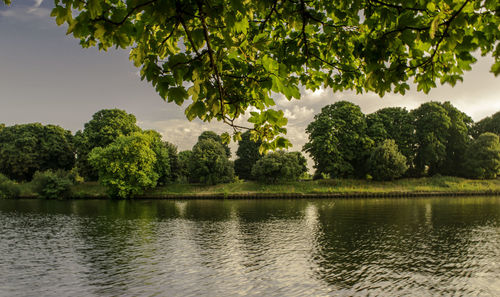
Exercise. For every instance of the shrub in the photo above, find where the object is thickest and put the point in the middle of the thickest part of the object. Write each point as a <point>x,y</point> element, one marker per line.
<point>280,166</point>
<point>8,188</point>
<point>483,157</point>
<point>52,184</point>
<point>386,162</point>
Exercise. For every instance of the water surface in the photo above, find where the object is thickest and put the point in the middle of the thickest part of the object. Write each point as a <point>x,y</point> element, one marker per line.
<point>417,246</point>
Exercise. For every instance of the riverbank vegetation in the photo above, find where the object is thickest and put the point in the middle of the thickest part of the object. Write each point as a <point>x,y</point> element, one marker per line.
<point>352,152</point>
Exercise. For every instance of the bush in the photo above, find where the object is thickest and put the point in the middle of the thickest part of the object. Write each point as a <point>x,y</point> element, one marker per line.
<point>8,188</point>
<point>52,184</point>
<point>280,166</point>
<point>483,157</point>
<point>386,162</point>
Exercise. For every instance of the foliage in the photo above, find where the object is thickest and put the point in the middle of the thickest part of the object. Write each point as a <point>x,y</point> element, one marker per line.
<point>105,127</point>
<point>459,135</point>
<point>483,157</point>
<point>393,123</point>
<point>279,166</point>
<point>8,188</point>
<point>162,164</point>
<point>52,184</point>
<point>230,55</point>
<point>431,124</point>
<point>2,126</point>
<point>127,165</point>
<point>442,134</point>
<point>248,154</point>
<point>386,161</point>
<point>27,148</point>
<point>173,160</point>
<point>488,124</point>
<point>209,163</point>
<point>184,158</point>
<point>216,138</point>
<point>338,143</point>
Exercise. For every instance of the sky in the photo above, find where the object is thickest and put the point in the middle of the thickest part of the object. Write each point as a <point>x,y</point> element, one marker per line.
<point>46,77</point>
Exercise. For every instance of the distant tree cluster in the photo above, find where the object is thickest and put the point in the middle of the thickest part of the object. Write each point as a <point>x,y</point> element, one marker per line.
<point>127,160</point>
<point>435,138</point>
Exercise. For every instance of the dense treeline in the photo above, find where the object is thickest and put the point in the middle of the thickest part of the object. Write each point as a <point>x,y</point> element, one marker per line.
<point>435,138</point>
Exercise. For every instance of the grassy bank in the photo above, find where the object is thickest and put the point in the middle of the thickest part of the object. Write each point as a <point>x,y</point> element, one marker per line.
<point>333,187</point>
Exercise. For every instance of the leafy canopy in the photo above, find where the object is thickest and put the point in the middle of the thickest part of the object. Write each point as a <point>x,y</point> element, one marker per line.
<point>224,56</point>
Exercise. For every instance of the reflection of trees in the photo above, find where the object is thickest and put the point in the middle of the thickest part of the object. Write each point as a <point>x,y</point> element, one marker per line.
<point>114,235</point>
<point>391,243</point>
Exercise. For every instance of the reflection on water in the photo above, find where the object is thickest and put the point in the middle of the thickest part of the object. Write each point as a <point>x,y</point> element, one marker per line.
<point>419,247</point>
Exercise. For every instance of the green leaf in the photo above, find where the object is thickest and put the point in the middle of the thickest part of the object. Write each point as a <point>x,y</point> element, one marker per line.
<point>177,94</point>
<point>431,6</point>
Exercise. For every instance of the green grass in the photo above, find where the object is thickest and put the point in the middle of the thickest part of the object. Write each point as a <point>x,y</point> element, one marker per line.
<point>348,186</point>
<point>439,184</point>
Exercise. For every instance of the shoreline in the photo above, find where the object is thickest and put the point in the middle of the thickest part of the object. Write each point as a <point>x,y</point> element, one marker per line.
<point>257,196</point>
<point>438,186</point>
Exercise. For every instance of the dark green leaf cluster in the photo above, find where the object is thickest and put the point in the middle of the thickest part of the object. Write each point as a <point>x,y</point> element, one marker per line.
<point>52,184</point>
<point>27,148</point>
<point>217,138</point>
<point>338,142</point>
<point>279,166</point>
<point>8,188</point>
<point>386,162</point>
<point>224,56</point>
<point>433,139</point>
<point>248,154</point>
<point>483,157</point>
<point>209,164</point>
<point>488,124</point>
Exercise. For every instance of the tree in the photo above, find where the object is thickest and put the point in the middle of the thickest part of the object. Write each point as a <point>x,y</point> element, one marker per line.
<point>431,124</point>
<point>209,163</point>
<point>173,161</point>
<point>2,126</point>
<point>279,166</point>
<point>393,123</point>
<point>163,164</point>
<point>184,161</point>
<point>442,135</point>
<point>386,161</point>
<point>248,154</point>
<point>128,165</point>
<point>105,127</point>
<point>488,124</point>
<point>483,157</point>
<point>27,148</point>
<point>338,143</point>
<point>459,136</point>
<point>230,55</point>
<point>214,136</point>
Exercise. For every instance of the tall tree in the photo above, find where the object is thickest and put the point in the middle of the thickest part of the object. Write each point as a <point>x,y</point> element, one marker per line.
<point>128,165</point>
<point>338,143</point>
<point>217,138</point>
<point>209,163</point>
<point>488,124</point>
<point>394,123</point>
<point>27,148</point>
<point>432,125</point>
<point>483,157</point>
<point>459,136</point>
<point>105,127</point>
<point>248,154</point>
<point>227,56</point>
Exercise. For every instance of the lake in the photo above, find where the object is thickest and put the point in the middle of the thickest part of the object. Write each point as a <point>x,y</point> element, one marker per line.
<point>341,247</point>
